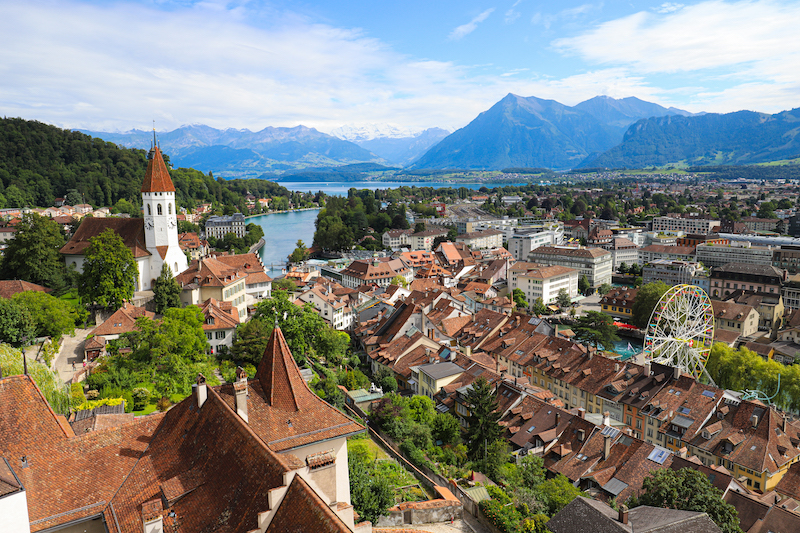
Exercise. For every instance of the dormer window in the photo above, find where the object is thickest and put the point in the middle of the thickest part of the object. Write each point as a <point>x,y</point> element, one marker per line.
<point>210,321</point>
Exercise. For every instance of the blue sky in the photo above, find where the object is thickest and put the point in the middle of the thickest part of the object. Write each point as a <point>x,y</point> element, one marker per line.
<point>415,64</point>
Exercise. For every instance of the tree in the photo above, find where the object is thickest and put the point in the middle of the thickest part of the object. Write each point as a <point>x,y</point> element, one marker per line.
<point>166,291</point>
<point>52,317</point>
<point>563,298</point>
<point>604,289</point>
<point>419,226</point>
<point>519,299</point>
<point>483,427</point>
<point>371,494</point>
<point>399,281</point>
<point>597,329</point>
<point>538,307</point>
<point>251,341</point>
<point>556,493</point>
<point>446,429</point>
<point>109,272</point>
<point>300,253</point>
<point>687,490</point>
<point>16,323</point>
<point>33,254</point>
<point>645,302</point>
<point>284,284</point>
<point>583,284</point>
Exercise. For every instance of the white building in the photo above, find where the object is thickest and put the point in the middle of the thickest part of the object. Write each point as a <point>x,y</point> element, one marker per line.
<point>542,282</point>
<point>219,324</point>
<point>482,240</point>
<point>423,240</point>
<point>622,250</point>
<point>378,271</point>
<point>218,227</point>
<point>331,308</point>
<point>675,273</point>
<point>658,252</point>
<point>702,226</point>
<point>594,263</point>
<point>714,255</point>
<point>396,238</point>
<point>521,244</point>
<point>153,240</point>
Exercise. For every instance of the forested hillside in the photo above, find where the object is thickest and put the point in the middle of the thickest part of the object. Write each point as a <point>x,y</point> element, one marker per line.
<point>40,162</point>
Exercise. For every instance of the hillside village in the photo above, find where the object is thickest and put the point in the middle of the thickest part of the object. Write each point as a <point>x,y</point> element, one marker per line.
<point>252,433</point>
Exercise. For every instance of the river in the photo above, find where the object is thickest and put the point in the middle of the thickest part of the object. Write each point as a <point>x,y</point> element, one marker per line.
<point>340,188</point>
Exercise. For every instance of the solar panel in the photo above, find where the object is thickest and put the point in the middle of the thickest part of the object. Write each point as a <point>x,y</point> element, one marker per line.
<point>658,455</point>
<point>609,431</point>
<point>708,393</point>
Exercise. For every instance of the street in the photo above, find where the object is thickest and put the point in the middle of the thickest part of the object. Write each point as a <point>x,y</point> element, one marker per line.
<point>71,352</point>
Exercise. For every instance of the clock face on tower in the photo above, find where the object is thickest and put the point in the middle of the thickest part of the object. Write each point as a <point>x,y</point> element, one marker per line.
<point>172,223</point>
<point>148,223</point>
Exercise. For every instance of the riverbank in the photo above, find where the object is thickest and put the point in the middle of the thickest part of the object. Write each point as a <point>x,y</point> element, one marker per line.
<point>283,212</point>
<point>282,230</point>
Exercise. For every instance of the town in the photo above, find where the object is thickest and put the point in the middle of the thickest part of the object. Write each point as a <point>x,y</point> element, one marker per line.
<point>493,357</point>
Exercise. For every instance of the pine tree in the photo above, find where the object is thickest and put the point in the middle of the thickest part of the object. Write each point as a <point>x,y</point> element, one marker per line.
<point>483,420</point>
<point>166,291</point>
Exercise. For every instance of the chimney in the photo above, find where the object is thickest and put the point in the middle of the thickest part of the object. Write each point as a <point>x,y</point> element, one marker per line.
<point>606,418</point>
<point>616,367</point>
<point>676,372</point>
<point>623,514</point>
<point>683,452</point>
<point>581,435</point>
<point>606,447</point>
<point>590,352</point>
<point>468,351</point>
<point>783,418</point>
<point>581,412</point>
<point>558,417</point>
<point>754,420</point>
<point>240,389</point>
<point>200,390</point>
<point>647,369</point>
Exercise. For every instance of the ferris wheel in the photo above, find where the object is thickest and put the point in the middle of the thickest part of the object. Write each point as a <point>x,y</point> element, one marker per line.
<point>681,330</point>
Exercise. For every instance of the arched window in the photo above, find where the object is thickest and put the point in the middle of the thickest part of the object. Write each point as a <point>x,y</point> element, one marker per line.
<point>149,210</point>
<point>169,208</point>
<point>160,211</point>
<point>176,267</point>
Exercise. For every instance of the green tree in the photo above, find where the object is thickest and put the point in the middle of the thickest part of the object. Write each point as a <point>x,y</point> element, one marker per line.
<point>33,254</point>
<point>16,323</point>
<point>446,429</point>
<point>583,284</point>
<point>166,291</point>
<point>688,490</point>
<point>371,494</point>
<point>596,328</point>
<point>538,307</point>
<point>563,298</point>
<point>483,427</point>
<point>52,317</point>
<point>419,226</point>
<point>519,299</point>
<point>400,281</point>
<point>284,284</point>
<point>109,272</point>
<point>623,268</point>
<point>604,289</point>
<point>645,302</point>
<point>300,252</point>
<point>556,493</point>
<point>251,341</point>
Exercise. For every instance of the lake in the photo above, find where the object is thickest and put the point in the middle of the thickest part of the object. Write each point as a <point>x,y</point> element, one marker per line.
<point>281,232</point>
<point>340,188</point>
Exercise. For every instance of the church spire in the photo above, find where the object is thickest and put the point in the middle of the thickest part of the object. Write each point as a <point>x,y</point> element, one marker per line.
<point>157,179</point>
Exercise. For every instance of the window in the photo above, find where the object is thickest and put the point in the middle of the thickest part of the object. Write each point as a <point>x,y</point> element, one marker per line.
<point>220,335</point>
<point>149,210</point>
<point>169,208</point>
<point>208,336</point>
<point>159,210</point>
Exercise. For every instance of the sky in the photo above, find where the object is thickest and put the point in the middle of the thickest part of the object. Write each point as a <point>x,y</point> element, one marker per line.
<point>415,64</point>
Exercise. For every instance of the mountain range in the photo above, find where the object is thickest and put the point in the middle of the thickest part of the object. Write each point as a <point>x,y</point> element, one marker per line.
<point>531,132</point>
<point>517,131</point>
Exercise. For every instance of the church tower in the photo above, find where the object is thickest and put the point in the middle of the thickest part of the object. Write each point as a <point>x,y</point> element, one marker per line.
<point>160,218</point>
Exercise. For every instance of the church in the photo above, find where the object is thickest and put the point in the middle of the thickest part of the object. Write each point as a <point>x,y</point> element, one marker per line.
<point>153,240</point>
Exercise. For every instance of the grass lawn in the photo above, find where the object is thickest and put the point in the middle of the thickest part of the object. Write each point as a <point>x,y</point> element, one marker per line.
<point>370,445</point>
<point>151,407</point>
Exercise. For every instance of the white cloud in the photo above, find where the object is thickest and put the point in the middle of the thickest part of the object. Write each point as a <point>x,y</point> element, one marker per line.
<point>734,42</point>
<point>668,7</point>
<point>465,29</point>
<point>548,20</point>
<point>512,14</point>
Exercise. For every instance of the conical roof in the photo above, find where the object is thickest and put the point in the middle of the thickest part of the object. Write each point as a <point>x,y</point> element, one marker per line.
<point>280,378</point>
<point>157,179</point>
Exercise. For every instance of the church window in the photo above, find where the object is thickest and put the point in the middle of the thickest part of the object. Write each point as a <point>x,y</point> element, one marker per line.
<point>149,210</point>
<point>160,211</point>
<point>169,208</point>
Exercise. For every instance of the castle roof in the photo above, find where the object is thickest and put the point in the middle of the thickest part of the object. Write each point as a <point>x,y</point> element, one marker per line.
<point>157,179</point>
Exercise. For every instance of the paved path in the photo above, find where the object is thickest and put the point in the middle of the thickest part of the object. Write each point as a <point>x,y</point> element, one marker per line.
<point>468,525</point>
<point>71,352</point>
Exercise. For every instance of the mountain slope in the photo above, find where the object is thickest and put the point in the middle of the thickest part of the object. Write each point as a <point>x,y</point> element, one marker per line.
<point>404,150</point>
<point>522,132</point>
<point>233,152</point>
<point>744,137</point>
<point>623,112</point>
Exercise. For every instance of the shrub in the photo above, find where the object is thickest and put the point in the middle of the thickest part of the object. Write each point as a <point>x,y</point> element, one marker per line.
<point>498,494</point>
<point>389,384</point>
<point>140,398</point>
<point>92,394</point>
<point>128,397</point>
<point>76,396</point>
<point>163,404</point>
<point>92,404</point>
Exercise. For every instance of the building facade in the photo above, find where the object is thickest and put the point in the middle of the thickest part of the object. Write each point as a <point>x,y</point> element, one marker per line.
<point>542,282</point>
<point>715,255</point>
<point>594,263</point>
<point>685,225</point>
<point>220,226</point>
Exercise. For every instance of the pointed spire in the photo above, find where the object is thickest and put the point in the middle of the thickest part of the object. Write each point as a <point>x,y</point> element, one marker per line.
<point>157,179</point>
<point>280,378</point>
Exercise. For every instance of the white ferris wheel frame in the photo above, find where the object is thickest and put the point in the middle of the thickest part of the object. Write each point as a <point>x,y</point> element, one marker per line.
<point>680,331</point>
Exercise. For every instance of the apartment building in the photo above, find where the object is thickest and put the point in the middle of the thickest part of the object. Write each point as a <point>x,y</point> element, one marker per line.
<point>622,250</point>
<point>676,273</point>
<point>423,240</point>
<point>521,243</point>
<point>685,225</point>
<point>594,263</point>
<point>396,238</point>
<point>219,226</point>
<point>656,252</point>
<point>379,271</point>
<point>715,255</point>
<point>482,240</point>
<point>760,278</point>
<point>543,282</point>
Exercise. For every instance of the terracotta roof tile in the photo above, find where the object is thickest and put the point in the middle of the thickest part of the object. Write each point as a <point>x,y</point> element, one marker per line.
<point>156,178</point>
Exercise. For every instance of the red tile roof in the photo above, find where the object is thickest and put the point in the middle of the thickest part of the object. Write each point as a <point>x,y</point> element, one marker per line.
<point>10,287</point>
<point>122,320</point>
<point>131,230</point>
<point>156,178</point>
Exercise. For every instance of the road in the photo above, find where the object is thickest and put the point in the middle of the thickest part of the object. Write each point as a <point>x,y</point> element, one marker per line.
<point>467,525</point>
<point>71,352</point>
